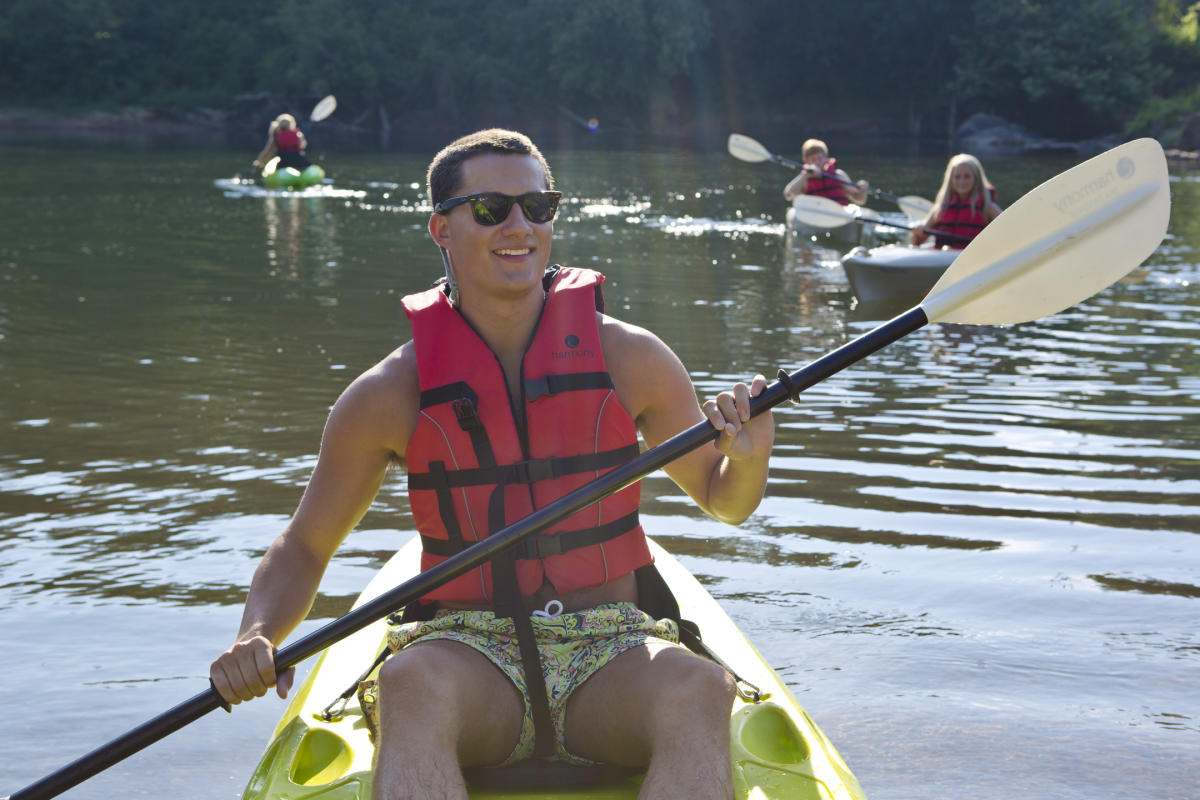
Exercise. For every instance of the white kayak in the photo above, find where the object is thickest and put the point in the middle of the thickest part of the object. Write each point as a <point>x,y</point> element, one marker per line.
<point>895,271</point>
<point>778,751</point>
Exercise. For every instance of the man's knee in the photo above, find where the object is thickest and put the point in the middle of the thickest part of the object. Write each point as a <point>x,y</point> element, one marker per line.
<point>707,687</point>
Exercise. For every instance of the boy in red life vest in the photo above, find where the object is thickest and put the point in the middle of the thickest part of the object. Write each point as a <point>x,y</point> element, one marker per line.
<point>962,208</point>
<point>511,360</point>
<point>822,177</point>
<point>285,140</point>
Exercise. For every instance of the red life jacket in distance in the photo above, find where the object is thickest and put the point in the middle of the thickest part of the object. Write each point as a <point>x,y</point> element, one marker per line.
<point>287,141</point>
<point>962,218</point>
<point>827,187</point>
<point>480,460</point>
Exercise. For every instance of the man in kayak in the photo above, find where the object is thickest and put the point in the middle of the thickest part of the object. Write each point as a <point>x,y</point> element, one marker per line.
<point>964,206</point>
<point>285,140</point>
<point>515,389</point>
<point>822,177</point>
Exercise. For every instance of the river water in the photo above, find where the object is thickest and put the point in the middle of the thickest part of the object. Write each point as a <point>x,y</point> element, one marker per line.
<point>977,566</point>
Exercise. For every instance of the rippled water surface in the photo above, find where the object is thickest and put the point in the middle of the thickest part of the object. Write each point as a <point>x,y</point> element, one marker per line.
<point>977,566</point>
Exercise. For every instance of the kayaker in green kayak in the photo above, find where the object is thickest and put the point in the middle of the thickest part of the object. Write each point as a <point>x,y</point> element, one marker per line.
<point>822,177</point>
<point>287,141</point>
<point>515,389</point>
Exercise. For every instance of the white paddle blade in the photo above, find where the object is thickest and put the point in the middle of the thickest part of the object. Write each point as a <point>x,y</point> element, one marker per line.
<point>326,106</point>
<point>914,207</point>
<point>1062,242</point>
<point>747,149</point>
<point>821,212</point>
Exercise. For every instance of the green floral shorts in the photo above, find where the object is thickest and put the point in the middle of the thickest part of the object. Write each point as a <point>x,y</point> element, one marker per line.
<point>572,647</point>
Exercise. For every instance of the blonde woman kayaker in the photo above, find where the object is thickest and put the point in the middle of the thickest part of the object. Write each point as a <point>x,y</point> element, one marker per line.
<point>962,208</point>
<point>515,389</point>
<point>822,177</point>
<point>285,140</point>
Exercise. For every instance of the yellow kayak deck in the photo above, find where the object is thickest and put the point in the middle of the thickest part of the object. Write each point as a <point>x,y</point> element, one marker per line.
<point>777,750</point>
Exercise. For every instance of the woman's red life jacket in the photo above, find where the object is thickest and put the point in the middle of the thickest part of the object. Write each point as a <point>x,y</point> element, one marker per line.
<point>480,460</point>
<point>287,140</point>
<point>822,186</point>
<point>961,218</point>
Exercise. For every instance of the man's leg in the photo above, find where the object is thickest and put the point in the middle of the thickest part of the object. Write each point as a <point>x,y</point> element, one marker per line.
<point>442,705</point>
<point>662,704</point>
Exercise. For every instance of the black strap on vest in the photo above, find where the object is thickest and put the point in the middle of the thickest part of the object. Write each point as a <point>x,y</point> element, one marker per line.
<point>507,602</point>
<point>544,545</point>
<point>550,385</point>
<point>529,471</point>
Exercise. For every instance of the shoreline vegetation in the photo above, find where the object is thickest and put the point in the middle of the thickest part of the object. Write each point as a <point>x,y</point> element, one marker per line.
<point>981,133</point>
<point>652,73</point>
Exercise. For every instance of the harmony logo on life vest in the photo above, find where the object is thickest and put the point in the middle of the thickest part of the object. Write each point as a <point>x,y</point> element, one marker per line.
<point>572,342</point>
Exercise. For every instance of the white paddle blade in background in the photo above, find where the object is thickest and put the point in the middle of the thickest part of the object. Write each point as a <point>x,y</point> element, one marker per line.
<point>914,207</point>
<point>821,212</point>
<point>747,149</point>
<point>326,106</point>
<point>1062,242</point>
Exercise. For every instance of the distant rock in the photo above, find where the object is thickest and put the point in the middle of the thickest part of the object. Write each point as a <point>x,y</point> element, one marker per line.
<point>990,135</point>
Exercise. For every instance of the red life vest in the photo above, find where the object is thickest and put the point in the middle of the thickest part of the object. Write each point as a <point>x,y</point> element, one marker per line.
<point>480,460</point>
<point>961,218</point>
<point>823,186</point>
<point>287,141</point>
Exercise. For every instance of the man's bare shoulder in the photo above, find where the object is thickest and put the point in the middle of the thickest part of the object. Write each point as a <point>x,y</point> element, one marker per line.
<point>644,370</point>
<point>395,372</point>
<point>624,342</point>
<point>383,401</point>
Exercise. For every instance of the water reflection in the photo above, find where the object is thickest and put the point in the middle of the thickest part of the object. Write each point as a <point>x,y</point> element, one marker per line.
<point>1009,514</point>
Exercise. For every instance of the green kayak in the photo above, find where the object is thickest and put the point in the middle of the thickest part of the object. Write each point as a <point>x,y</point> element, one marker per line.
<point>778,751</point>
<point>274,177</point>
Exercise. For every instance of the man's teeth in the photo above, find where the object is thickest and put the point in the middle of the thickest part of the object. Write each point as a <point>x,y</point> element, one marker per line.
<point>522,252</point>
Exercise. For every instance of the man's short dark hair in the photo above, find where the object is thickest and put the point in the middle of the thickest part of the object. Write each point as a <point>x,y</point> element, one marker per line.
<point>445,171</point>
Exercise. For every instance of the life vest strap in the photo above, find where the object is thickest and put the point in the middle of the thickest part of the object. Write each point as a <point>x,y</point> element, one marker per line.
<point>550,385</point>
<point>544,545</point>
<point>530,471</point>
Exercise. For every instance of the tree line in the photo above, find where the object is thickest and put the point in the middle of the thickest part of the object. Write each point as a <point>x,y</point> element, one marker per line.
<point>1068,68</point>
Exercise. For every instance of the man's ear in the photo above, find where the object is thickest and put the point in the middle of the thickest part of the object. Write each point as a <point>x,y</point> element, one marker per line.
<point>439,229</point>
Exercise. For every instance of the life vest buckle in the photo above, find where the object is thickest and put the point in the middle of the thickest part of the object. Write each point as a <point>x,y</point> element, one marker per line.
<point>538,469</point>
<point>536,388</point>
<point>467,415</point>
<point>542,546</point>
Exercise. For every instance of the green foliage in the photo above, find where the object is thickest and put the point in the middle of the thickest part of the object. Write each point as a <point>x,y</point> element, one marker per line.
<point>1069,65</point>
<point>1060,67</point>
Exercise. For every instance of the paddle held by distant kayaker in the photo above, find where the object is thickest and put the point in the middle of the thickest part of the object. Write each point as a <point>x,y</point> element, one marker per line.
<point>822,177</point>
<point>962,208</point>
<point>515,389</point>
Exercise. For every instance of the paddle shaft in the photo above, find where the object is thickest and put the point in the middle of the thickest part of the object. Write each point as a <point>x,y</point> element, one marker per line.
<point>655,458</point>
<point>787,162</point>
<point>954,237</point>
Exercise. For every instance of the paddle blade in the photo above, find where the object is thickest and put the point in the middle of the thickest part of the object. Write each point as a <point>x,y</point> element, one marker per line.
<point>1062,242</point>
<point>914,207</point>
<point>821,212</point>
<point>747,149</point>
<point>326,106</point>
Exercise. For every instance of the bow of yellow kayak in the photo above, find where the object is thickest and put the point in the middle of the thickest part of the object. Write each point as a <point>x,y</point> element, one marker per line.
<point>778,751</point>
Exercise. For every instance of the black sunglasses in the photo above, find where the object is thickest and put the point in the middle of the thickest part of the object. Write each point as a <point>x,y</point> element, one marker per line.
<point>492,208</point>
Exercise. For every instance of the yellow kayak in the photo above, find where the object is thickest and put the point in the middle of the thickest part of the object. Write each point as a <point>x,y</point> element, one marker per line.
<point>778,751</point>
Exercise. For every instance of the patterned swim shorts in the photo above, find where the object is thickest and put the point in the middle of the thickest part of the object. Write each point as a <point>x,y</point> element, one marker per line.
<point>572,647</point>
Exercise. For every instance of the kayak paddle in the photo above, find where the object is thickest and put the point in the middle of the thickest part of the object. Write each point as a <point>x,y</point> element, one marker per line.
<point>1062,242</point>
<point>748,149</point>
<point>324,107</point>
<point>821,212</point>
